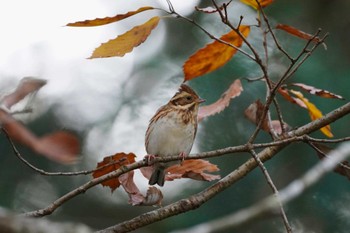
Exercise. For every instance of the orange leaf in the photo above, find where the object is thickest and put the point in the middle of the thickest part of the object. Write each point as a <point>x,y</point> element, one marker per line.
<point>315,91</point>
<point>126,42</point>
<point>314,112</point>
<point>112,163</point>
<point>234,90</point>
<point>254,4</point>
<point>214,55</point>
<point>296,32</point>
<point>107,20</point>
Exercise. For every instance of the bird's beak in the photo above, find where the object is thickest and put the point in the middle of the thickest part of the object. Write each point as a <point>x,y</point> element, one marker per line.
<point>200,100</point>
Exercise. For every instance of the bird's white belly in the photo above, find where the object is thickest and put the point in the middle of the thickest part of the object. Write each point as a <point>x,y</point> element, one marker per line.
<point>170,137</point>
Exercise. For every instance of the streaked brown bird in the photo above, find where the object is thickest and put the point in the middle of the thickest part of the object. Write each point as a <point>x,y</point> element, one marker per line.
<point>172,130</point>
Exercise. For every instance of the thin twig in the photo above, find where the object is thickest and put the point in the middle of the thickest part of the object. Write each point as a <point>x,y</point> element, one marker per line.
<point>274,189</point>
<point>42,172</point>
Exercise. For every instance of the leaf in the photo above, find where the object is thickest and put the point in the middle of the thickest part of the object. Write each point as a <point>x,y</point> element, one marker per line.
<point>234,90</point>
<point>126,180</point>
<point>254,4</point>
<point>284,92</point>
<point>214,55</point>
<point>107,20</point>
<point>322,152</point>
<point>315,91</point>
<point>62,147</point>
<point>298,33</point>
<point>112,163</point>
<point>254,113</point>
<point>126,42</point>
<point>194,169</point>
<point>314,112</point>
<point>26,86</point>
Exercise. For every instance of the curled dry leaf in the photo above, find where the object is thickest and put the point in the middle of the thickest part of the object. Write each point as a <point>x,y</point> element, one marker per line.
<point>107,20</point>
<point>26,86</point>
<point>254,113</point>
<point>126,42</point>
<point>314,112</point>
<point>254,4</point>
<point>126,180</point>
<point>153,197</point>
<point>192,168</point>
<point>196,169</point>
<point>315,91</point>
<point>234,90</point>
<point>322,152</point>
<point>214,55</point>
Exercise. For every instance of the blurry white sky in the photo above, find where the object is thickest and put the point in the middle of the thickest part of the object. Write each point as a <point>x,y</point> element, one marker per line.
<point>35,42</point>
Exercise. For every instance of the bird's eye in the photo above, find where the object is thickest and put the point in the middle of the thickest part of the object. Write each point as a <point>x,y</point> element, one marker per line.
<point>189,98</point>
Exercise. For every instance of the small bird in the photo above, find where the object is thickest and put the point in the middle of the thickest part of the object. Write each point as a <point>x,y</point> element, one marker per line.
<point>172,130</point>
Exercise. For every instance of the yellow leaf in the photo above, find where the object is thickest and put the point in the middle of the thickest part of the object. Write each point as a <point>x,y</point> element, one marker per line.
<point>254,4</point>
<point>107,20</point>
<point>214,55</point>
<point>314,112</point>
<point>126,42</point>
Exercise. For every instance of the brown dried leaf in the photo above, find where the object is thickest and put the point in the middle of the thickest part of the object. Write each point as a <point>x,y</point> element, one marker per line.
<point>254,4</point>
<point>194,169</point>
<point>254,113</point>
<point>112,163</point>
<point>298,33</point>
<point>26,86</point>
<point>315,91</point>
<point>234,90</point>
<point>62,147</point>
<point>126,42</point>
<point>214,55</point>
<point>107,20</point>
<point>322,152</point>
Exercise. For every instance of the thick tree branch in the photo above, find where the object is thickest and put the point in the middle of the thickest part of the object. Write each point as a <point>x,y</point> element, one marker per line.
<point>292,191</point>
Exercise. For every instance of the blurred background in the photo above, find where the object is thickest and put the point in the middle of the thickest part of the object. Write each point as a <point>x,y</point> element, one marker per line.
<point>108,103</point>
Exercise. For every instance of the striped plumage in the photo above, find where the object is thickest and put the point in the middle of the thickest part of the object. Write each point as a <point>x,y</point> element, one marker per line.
<point>172,129</point>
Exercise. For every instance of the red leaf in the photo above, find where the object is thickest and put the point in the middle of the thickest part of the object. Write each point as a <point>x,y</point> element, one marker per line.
<point>112,163</point>
<point>284,92</point>
<point>234,90</point>
<point>296,32</point>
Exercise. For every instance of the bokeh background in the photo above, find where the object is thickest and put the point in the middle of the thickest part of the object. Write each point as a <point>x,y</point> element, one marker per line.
<point>108,102</point>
